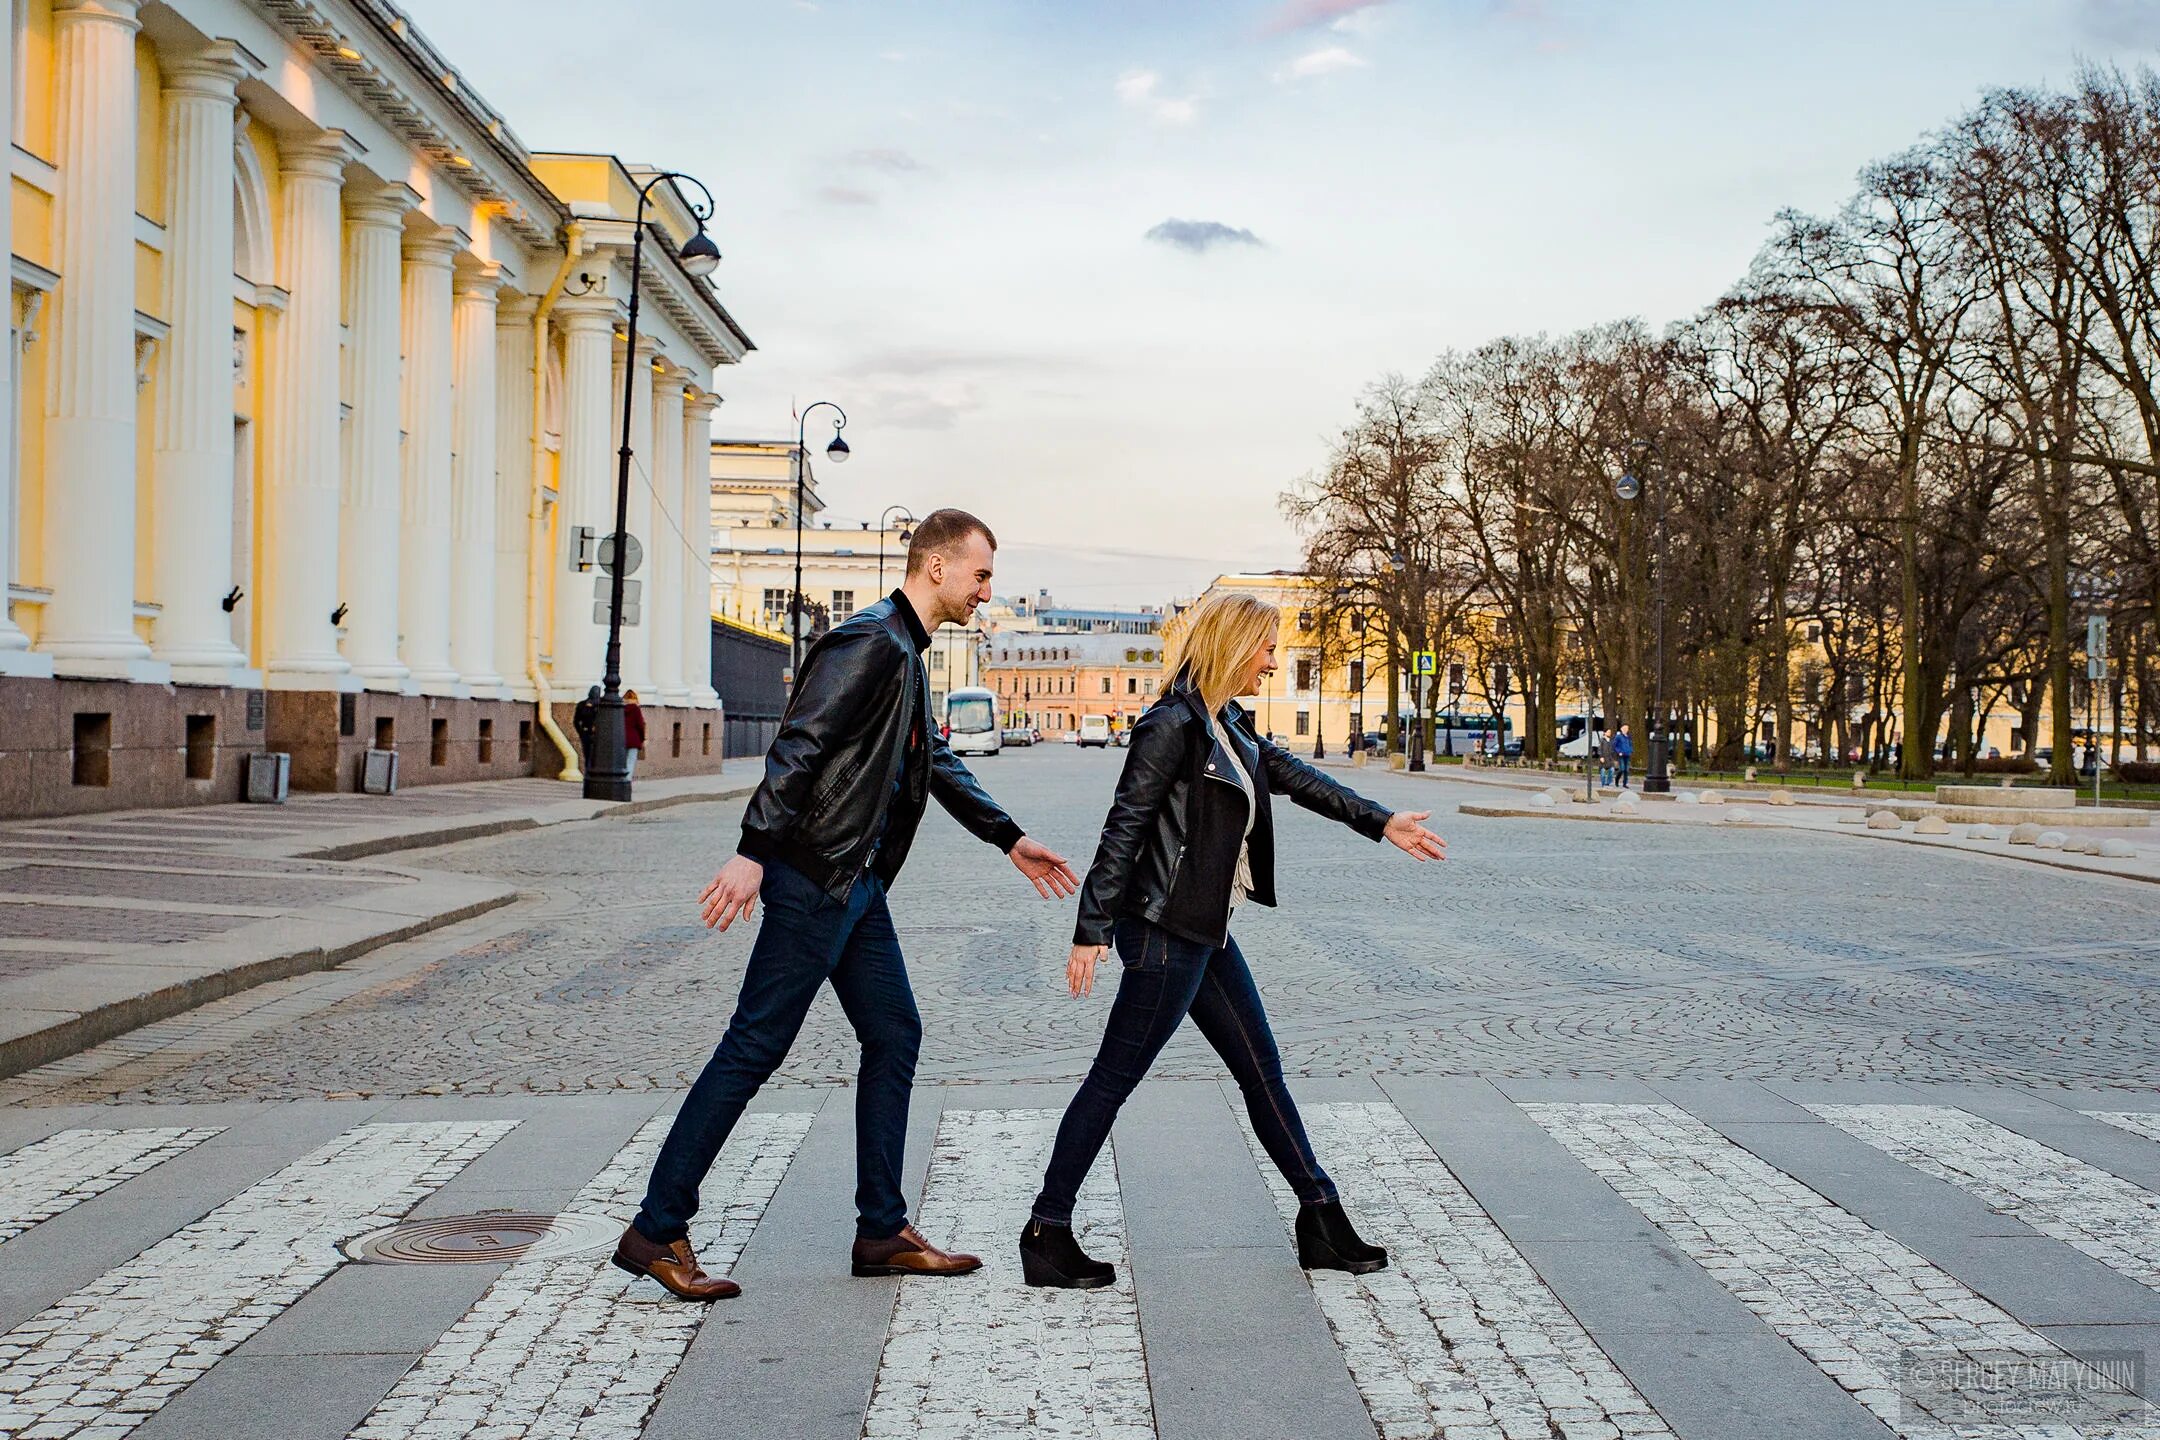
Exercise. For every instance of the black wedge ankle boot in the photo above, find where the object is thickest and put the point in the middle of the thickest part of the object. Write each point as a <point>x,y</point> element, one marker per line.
<point>1326,1240</point>
<point>1049,1255</point>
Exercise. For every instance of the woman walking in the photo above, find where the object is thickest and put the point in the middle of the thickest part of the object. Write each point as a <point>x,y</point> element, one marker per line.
<point>1188,840</point>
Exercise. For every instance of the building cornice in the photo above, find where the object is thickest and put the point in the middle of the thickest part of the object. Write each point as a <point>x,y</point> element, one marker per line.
<point>424,99</point>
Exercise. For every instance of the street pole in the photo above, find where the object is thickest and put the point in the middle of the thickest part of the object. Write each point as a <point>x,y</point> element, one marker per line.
<point>838,451</point>
<point>884,522</point>
<point>608,776</point>
<point>1417,701</point>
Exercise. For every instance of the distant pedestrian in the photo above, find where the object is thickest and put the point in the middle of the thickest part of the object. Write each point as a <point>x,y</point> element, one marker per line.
<point>1608,757</point>
<point>585,720</point>
<point>633,729</point>
<point>1623,755</point>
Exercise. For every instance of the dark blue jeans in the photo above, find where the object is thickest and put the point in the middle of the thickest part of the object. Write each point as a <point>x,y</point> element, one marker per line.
<point>1625,761</point>
<point>807,939</point>
<point>1166,978</point>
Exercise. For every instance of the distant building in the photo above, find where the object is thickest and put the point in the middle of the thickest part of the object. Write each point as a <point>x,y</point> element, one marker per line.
<point>847,563</point>
<point>1051,680</point>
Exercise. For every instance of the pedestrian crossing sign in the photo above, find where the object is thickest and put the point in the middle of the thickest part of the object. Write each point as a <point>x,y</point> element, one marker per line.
<point>1422,663</point>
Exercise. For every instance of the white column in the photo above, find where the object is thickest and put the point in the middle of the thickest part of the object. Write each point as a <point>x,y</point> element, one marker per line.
<point>513,485</point>
<point>638,513</point>
<point>472,481</point>
<point>587,490</point>
<point>14,645</point>
<point>424,529</point>
<point>89,625</point>
<point>301,471</point>
<point>663,608</point>
<point>697,531</point>
<point>193,479</point>
<point>368,529</point>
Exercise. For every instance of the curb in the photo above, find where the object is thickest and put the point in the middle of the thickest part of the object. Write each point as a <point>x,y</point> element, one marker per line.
<point>104,1022</point>
<point>575,811</point>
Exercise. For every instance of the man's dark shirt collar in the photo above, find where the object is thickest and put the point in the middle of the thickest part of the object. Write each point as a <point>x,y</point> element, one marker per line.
<point>906,609</point>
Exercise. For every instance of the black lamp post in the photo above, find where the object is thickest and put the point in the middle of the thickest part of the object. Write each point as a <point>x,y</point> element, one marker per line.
<point>837,452</point>
<point>884,522</point>
<point>1454,702</point>
<point>608,776</point>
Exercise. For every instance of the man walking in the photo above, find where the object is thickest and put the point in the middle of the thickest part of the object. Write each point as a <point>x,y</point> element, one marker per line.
<point>846,781</point>
<point>1623,753</point>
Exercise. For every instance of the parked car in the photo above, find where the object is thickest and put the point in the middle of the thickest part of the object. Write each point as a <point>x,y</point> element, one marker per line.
<point>1019,735</point>
<point>1095,731</point>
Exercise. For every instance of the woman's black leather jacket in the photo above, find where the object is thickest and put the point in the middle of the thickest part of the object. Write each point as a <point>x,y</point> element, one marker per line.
<point>1169,850</point>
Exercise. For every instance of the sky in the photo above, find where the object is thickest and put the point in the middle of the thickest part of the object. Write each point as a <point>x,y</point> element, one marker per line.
<point>1111,275</point>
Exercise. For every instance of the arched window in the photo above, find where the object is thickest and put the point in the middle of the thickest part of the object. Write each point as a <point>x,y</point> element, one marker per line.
<point>254,252</point>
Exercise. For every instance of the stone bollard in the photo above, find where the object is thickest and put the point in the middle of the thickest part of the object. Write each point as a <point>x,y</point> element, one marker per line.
<point>1884,820</point>
<point>1751,774</point>
<point>1859,779</point>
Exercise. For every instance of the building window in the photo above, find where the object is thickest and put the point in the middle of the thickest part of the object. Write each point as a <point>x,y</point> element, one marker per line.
<point>487,741</point>
<point>1304,677</point>
<point>93,748</point>
<point>1106,684</point>
<point>1357,674</point>
<point>843,605</point>
<point>438,742</point>
<point>937,661</point>
<point>1132,684</point>
<point>775,606</point>
<point>1304,722</point>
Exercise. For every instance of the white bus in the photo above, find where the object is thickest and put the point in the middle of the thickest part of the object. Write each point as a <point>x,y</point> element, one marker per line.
<point>971,722</point>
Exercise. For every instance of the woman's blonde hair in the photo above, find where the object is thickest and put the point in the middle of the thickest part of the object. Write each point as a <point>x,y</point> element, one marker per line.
<point>1219,642</point>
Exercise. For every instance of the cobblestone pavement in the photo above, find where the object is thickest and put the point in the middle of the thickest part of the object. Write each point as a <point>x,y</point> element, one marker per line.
<point>1536,949</point>
<point>1561,1269</point>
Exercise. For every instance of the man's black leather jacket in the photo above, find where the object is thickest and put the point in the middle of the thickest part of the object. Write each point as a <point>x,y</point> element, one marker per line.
<point>1169,850</point>
<point>830,774</point>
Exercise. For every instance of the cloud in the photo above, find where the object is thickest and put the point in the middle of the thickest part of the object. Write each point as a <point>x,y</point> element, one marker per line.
<point>1311,14</point>
<point>846,195</point>
<point>1327,60</point>
<point>2130,23</point>
<point>1142,89</point>
<point>1200,236</point>
<point>930,387</point>
<point>889,160</point>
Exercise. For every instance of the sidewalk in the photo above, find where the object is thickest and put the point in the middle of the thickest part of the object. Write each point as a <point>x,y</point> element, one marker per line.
<point>111,921</point>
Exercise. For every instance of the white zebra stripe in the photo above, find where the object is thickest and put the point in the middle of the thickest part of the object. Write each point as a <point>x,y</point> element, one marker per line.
<point>61,1171</point>
<point>1915,1346</point>
<point>109,1356</point>
<point>1458,1335</point>
<point>575,1349</point>
<point>2101,1215</point>
<point>982,1355</point>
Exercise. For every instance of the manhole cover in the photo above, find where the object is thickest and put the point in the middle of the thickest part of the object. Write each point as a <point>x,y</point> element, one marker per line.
<point>490,1236</point>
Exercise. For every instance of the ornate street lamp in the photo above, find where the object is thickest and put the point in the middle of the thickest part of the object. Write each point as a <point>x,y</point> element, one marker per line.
<point>885,520</point>
<point>837,452</point>
<point>608,776</point>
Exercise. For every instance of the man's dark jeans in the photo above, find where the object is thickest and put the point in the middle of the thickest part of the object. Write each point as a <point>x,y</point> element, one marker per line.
<point>807,938</point>
<point>1167,977</point>
<point>1625,761</point>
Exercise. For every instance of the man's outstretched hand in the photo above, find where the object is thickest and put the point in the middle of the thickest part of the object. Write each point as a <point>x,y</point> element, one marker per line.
<point>1052,876</point>
<point>1406,829</point>
<point>733,892</point>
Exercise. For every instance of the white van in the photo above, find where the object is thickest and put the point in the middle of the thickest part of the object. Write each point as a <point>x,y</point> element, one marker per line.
<point>971,722</point>
<point>1095,730</point>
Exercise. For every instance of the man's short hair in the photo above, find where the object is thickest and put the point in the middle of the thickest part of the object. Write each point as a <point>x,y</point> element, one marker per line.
<point>941,532</point>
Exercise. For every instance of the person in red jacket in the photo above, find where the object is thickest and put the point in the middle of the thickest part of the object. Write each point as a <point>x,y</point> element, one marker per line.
<point>633,726</point>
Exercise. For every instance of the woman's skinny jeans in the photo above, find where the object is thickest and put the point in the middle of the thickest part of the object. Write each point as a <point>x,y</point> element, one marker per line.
<point>1167,977</point>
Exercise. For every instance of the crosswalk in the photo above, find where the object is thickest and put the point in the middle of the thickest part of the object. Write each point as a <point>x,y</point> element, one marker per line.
<point>1480,1328</point>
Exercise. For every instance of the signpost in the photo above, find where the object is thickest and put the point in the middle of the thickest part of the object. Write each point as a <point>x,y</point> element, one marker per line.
<point>2096,674</point>
<point>1422,664</point>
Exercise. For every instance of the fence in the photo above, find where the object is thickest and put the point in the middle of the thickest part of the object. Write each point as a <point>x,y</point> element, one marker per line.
<point>748,669</point>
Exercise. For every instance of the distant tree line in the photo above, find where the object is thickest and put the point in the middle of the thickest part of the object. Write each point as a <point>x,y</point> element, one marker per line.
<point>1871,493</point>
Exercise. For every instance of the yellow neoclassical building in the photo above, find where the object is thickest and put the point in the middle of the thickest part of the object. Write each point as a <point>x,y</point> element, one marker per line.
<point>312,399</point>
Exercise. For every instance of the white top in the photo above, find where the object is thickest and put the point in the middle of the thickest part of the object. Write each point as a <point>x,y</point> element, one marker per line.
<point>1241,884</point>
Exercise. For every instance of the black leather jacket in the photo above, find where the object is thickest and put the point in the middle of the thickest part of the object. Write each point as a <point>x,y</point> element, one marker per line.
<point>1170,847</point>
<point>829,776</point>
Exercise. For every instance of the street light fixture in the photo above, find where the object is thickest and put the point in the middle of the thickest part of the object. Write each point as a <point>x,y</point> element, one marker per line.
<point>884,523</point>
<point>837,452</point>
<point>608,776</point>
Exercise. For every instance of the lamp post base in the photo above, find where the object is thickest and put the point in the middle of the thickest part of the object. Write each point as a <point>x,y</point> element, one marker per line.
<point>607,773</point>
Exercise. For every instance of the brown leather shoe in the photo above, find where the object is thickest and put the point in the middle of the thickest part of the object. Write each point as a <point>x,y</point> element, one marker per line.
<point>907,1253</point>
<point>674,1266</point>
